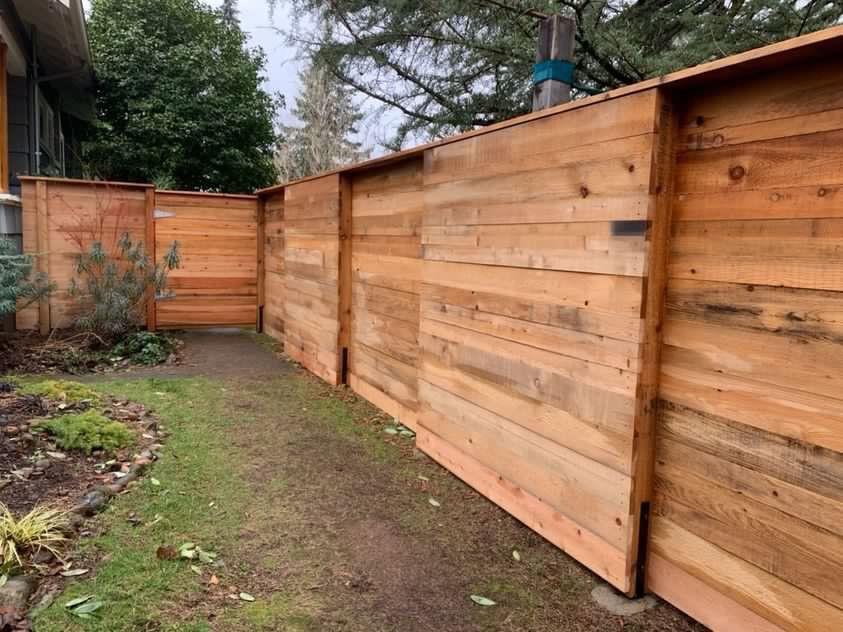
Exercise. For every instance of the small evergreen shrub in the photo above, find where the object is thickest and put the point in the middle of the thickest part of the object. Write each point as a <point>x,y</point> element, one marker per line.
<point>145,347</point>
<point>16,280</point>
<point>88,431</point>
<point>114,286</point>
<point>62,390</point>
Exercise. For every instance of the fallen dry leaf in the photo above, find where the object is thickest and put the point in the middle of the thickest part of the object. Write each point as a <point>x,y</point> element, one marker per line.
<point>166,553</point>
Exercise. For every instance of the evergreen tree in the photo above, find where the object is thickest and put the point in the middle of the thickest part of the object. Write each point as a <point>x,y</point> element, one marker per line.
<point>180,98</point>
<point>230,13</point>
<point>329,120</point>
<point>453,65</point>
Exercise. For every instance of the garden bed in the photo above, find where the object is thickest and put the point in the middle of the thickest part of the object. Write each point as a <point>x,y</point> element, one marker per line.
<point>74,353</point>
<point>64,448</point>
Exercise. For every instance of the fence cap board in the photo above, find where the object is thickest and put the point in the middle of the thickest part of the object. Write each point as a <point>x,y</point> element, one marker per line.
<point>105,183</point>
<point>815,45</point>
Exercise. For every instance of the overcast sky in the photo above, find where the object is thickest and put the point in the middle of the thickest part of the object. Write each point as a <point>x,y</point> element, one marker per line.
<point>282,65</point>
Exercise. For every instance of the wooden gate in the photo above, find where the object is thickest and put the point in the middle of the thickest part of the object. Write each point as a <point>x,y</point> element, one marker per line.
<point>216,283</point>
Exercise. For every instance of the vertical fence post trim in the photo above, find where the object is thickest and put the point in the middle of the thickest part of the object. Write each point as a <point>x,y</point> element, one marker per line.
<point>652,315</point>
<point>42,238</point>
<point>345,278</point>
<point>151,323</point>
<point>261,246</point>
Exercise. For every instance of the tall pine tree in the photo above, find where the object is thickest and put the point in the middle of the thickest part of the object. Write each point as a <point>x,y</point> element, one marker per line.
<point>230,13</point>
<point>329,119</point>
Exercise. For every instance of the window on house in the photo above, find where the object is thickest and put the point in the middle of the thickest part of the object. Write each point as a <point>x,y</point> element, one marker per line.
<point>47,123</point>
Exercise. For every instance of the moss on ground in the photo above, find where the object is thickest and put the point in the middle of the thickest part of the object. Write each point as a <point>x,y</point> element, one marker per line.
<point>61,390</point>
<point>88,431</point>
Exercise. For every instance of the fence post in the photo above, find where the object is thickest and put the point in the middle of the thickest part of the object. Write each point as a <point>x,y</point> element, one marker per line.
<point>151,323</point>
<point>345,277</point>
<point>652,315</point>
<point>42,240</point>
<point>261,245</point>
<point>554,70</point>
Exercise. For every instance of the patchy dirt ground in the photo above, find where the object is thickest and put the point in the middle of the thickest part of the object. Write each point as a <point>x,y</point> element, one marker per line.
<point>337,532</point>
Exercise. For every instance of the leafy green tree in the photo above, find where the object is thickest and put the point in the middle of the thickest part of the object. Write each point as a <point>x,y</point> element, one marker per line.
<point>452,65</point>
<point>329,119</point>
<point>180,98</point>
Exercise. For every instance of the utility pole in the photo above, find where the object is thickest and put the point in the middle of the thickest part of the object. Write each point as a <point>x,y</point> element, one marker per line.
<point>553,73</point>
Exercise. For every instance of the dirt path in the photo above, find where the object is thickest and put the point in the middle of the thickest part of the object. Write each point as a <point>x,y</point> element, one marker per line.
<point>341,534</point>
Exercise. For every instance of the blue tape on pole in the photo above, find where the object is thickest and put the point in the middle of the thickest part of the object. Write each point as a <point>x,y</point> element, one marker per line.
<point>556,69</point>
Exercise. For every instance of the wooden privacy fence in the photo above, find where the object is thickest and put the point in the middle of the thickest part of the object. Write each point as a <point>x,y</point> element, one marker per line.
<point>216,283</point>
<point>620,319</point>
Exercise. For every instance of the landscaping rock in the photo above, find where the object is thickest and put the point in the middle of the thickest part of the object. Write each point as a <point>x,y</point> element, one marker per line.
<point>94,501</point>
<point>24,472</point>
<point>15,594</point>
<point>43,464</point>
<point>43,556</point>
<point>610,599</point>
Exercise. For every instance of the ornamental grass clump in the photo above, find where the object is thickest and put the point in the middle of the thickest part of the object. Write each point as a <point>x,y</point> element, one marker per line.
<point>87,431</point>
<point>43,528</point>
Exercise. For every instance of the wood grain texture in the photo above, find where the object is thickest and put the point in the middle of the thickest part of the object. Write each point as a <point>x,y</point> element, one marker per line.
<point>216,282</point>
<point>387,206</point>
<point>311,275</point>
<point>749,458</point>
<point>274,269</point>
<point>532,314</point>
<point>59,215</point>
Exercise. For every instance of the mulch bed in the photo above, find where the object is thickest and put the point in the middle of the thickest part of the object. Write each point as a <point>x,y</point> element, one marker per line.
<point>63,351</point>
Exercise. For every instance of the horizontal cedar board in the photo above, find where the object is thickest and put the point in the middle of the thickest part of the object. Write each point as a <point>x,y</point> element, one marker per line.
<point>485,349</point>
<point>792,413</point>
<point>545,312</point>
<point>810,315</point>
<point>587,492</point>
<point>607,297</point>
<point>790,548</point>
<point>813,366</point>
<point>810,159</point>
<point>394,378</point>
<point>550,145</point>
<point>605,441</point>
<point>205,311</point>
<point>386,301</point>
<point>775,98</point>
<point>576,137</point>
<point>707,605</point>
<point>597,191</point>
<point>379,398</point>
<point>604,559</point>
<point>565,390</point>
<point>767,595</point>
<point>782,202</point>
<point>594,348</point>
<point>797,125</point>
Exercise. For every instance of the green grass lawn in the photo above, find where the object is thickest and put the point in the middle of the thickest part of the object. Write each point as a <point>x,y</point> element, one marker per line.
<point>197,470</point>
